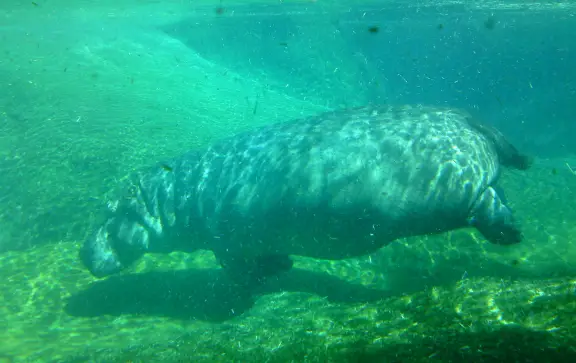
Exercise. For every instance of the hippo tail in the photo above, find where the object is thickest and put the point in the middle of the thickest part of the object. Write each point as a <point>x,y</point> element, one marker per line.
<point>507,153</point>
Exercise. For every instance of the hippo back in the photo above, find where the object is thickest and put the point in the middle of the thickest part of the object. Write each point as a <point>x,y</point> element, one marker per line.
<point>368,175</point>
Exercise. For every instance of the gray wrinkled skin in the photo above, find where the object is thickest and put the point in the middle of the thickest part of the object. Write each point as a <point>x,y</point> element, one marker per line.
<point>333,186</point>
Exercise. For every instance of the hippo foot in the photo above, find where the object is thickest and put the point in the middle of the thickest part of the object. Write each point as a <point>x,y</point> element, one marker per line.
<point>494,219</point>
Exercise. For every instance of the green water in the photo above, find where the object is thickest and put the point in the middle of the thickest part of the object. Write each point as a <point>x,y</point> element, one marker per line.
<point>90,93</point>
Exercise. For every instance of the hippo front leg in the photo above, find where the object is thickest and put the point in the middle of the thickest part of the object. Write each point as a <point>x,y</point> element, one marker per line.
<point>494,219</point>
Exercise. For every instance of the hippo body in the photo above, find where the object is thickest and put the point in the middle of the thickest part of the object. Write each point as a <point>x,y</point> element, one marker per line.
<point>333,186</point>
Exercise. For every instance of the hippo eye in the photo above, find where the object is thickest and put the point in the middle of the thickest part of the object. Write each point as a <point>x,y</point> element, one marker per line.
<point>132,192</point>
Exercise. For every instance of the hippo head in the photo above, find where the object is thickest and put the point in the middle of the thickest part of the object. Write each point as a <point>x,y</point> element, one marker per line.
<point>98,255</point>
<point>113,246</point>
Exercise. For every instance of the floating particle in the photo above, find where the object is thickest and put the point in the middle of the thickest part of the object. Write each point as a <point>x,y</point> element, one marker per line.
<point>499,101</point>
<point>490,23</point>
<point>166,167</point>
<point>255,107</point>
<point>374,29</point>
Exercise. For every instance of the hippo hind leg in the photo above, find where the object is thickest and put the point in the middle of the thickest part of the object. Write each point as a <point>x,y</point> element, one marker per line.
<point>494,219</point>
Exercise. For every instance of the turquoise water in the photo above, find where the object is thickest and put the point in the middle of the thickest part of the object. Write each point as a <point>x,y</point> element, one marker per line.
<point>92,92</point>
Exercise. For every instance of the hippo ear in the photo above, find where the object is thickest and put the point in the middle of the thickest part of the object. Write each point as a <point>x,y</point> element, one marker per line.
<point>494,219</point>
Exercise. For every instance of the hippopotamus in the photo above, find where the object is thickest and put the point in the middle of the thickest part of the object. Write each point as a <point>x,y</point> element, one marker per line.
<point>337,185</point>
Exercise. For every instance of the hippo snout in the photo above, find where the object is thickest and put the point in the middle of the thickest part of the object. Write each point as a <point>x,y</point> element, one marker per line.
<point>98,255</point>
<point>116,244</point>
